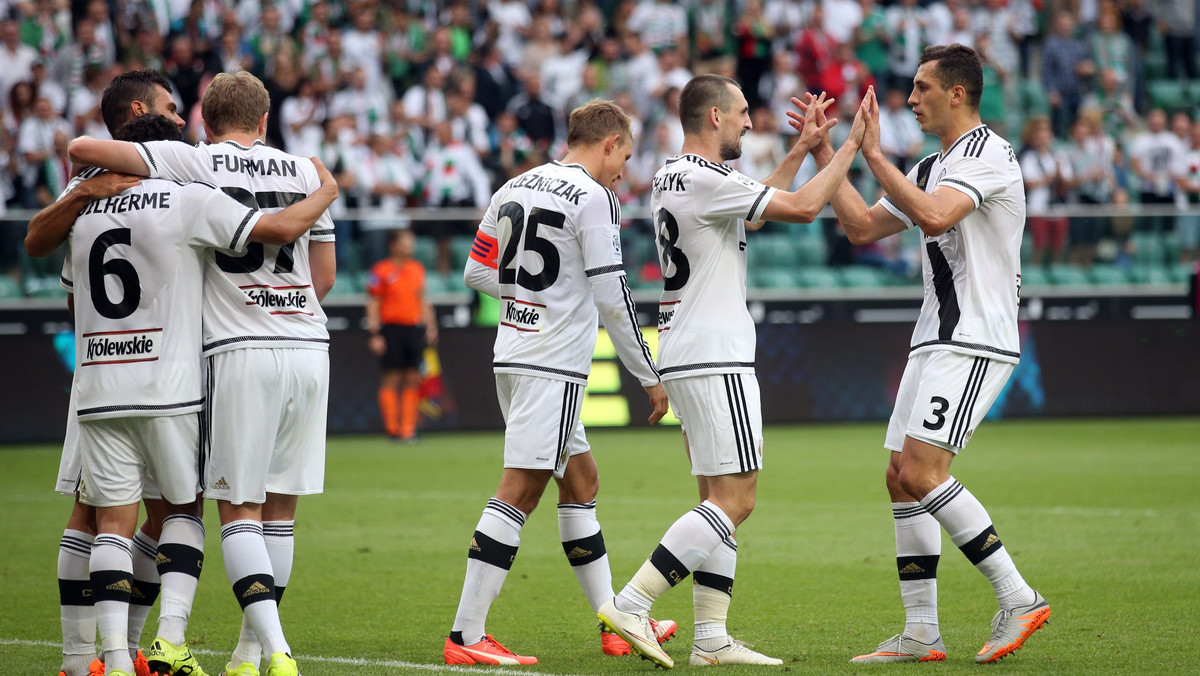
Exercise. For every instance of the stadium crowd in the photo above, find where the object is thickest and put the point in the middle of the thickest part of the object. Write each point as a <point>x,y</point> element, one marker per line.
<point>416,104</point>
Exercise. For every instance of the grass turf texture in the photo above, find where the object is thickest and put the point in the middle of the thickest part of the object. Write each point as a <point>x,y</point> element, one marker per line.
<point>1103,517</point>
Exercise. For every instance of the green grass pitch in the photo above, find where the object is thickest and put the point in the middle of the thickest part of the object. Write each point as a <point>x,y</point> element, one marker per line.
<point>1103,517</point>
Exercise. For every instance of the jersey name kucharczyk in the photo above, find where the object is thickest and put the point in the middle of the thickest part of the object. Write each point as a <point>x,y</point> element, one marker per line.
<point>558,232</point>
<point>700,209</point>
<point>135,265</point>
<point>972,272</point>
<point>263,298</point>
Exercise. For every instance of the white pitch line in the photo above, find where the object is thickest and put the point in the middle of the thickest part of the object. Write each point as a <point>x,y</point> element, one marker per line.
<point>353,661</point>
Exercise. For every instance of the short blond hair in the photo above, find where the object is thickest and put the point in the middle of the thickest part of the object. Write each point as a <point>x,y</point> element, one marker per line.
<point>595,121</point>
<point>234,101</point>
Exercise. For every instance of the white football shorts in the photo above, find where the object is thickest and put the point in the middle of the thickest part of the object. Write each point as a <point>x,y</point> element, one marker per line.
<point>943,396</point>
<point>118,454</point>
<point>265,431</point>
<point>70,465</point>
<point>722,418</point>
<point>541,422</point>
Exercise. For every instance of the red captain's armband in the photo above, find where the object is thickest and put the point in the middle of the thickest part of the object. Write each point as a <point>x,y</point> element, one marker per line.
<point>484,249</point>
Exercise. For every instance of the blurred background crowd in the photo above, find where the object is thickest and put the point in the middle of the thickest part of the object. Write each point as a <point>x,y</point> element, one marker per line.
<point>417,105</point>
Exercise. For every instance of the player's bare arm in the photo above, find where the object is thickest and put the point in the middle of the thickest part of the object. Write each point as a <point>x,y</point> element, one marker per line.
<point>862,224</point>
<point>376,343</point>
<point>803,205</point>
<point>288,225</point>
<point>119,156</point>
<point>322,259</point>
<point>50,227</point>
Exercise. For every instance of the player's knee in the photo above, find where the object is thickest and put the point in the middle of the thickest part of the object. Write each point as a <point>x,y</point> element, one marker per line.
<point>891,477</point>
<point>916,481</point>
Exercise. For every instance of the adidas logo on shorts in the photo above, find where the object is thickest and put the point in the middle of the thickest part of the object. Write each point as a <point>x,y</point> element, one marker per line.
<point>221,485</point>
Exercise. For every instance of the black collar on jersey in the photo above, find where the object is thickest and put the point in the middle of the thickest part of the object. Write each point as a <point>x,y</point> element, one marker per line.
<point>235,144</point>
<point>974,132</point>
<point>720,168</point>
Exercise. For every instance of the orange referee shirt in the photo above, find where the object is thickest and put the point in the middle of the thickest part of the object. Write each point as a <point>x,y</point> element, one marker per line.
<point>398,288</point>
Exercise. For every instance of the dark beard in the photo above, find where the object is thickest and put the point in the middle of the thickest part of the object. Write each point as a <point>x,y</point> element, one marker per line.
<point>731,151</point>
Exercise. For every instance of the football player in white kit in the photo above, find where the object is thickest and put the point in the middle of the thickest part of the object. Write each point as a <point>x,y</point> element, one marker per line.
<point>702,210</point>
<point>266,349</point>
<point>130,94</point>
<point>549,248</point>
<point>969,202</point>
<point>135,264</point>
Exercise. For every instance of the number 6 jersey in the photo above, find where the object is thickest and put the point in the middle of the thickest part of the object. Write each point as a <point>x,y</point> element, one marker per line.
<point>556,232</point>
<point>263,298</point>
<point>699,210</point>
<point>135,264</point>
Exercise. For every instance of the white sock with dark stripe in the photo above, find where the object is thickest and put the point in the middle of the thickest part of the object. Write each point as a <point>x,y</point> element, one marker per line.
<point>146,585</point>
<point>489,558</point>
<point>583,543</point>
<point>970,528</point>
<point>180,560</point>
<point>111,570</point>
<point>918,550</point>
<point>712,592</point>
<point>687,544</point>
<point>248,568</point>
<point>279,537</point>
<point>76,609</point>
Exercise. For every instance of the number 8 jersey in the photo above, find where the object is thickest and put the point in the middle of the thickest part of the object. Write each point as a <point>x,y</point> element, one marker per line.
<point>556,232</point>
<point>699,210</point>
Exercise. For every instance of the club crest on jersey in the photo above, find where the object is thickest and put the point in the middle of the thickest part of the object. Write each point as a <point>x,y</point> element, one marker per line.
<point>747,181</point>
<point>279,300</point>
<point>121,347</point>
<point>522,315</point>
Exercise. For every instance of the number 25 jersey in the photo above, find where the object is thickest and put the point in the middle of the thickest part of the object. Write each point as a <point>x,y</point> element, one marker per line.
<point>699,209</point>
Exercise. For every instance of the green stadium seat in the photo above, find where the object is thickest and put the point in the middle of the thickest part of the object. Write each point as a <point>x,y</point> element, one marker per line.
<point>1180,273</point>
<point>434,283</point>
<point>1033,96</point>
<point>426,251</point>
<point>452,282</point>
<point>1150,274</point>
<point>862,276</point>
<point>773,278</point>
<point>1026,248</point>
<point>9,287</point>
<point>1169,95</point>
<point>771,250</point>
<point>1108,275</point>
<point>1067,275</point>
<point>817,278</point>
<point>1034,277</point>
<point>1148,248</point>
<point>460,250</point>
<point>809,249</point>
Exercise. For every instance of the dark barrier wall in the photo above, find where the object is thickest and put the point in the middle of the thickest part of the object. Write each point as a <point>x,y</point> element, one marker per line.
<point>823,371</point>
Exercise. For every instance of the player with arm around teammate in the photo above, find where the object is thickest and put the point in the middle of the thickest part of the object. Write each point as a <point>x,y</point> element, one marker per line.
<point>969,202</point>
<point>702,210</point>
<point>266,350</point>
<point>549,248</point>
<point>135,264</point>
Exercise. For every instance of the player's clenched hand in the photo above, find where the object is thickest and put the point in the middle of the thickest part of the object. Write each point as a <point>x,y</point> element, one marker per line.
<point>378,345</point>
<point>107,184</point>
<point>658,399</point>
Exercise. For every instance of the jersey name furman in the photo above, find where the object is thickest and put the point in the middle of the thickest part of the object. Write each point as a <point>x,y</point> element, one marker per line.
<point>128,202</point>
<point>555,186</point>
<point>254,166</point>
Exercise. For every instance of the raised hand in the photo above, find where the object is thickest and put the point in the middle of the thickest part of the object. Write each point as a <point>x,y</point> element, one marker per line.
<point>811,121</point>
<point>870,143</point>
<point>862,120</point>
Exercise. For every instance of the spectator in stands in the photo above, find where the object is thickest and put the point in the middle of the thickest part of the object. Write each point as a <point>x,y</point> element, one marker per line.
<point>778,87</point>
<point>1114,103</point>
<point>534,115</point>
<point>35,143</point>
<point>1111,47</point>
<point>454,177</point>
<point>1092,184</point>
<point>232,52</point>
<point>540,45</point>
<point>814,52</point>
<point>940,27</point>
<point>512,20</point>
<point>1177,21</point>
<point>495,82</point>
<point>754,35</point>
<point>639,74</point>
<point>46,28</point>
<point>900,135</point>
<point>66,66</point>
<point>1138,23</point>
<point>845,77</point>
<point>512,146</point>
<point>842,19</point>
<point>185,68</point>
<point>54,172</point>
<point>789,17</point>
<point>1066,68</point>
<point>762,146</point>
<point>1187,196</point>
<point>366,105</point>
<point>301,120</point>
<point>1153,155</point>
<point>49,89</point>
<point>993,108</point>
<point>871,43</point>
<point>425,105</point>
<point>363,45</point>
<point>662,24</point>
<point>97,13</point>
<point>906,23</point>
<point>16,58</point>
<point>468,120</point>
<point>330,69</point>
<point>1047,175</point>
<point>84,106</point>
<point>562,72</point>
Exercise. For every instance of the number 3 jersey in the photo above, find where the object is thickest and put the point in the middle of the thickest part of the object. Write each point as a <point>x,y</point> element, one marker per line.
<point>263,298</point>
<point>972,272</point>
<point>135,263</point>
<point>556,232</point>
<point>699,209</point>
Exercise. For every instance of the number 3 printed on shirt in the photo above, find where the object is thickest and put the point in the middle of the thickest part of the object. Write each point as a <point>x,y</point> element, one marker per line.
<point>519,275</point>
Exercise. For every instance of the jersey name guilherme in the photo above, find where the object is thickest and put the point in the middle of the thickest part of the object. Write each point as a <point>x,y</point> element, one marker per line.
<point>700,209</point>
<point>135,263</point>
<point>263,298</point>
<point>558,230</point>
<point>972,272</point>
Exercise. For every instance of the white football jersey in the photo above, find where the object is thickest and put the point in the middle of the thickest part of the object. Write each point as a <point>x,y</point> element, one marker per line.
<point>972,272</point>
<point>700,209</point>
<point>263,298</point>
<point>558,233</point>
<point>135,263</point>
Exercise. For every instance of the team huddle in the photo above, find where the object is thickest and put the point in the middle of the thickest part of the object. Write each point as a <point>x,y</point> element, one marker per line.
<point>167,270</point>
